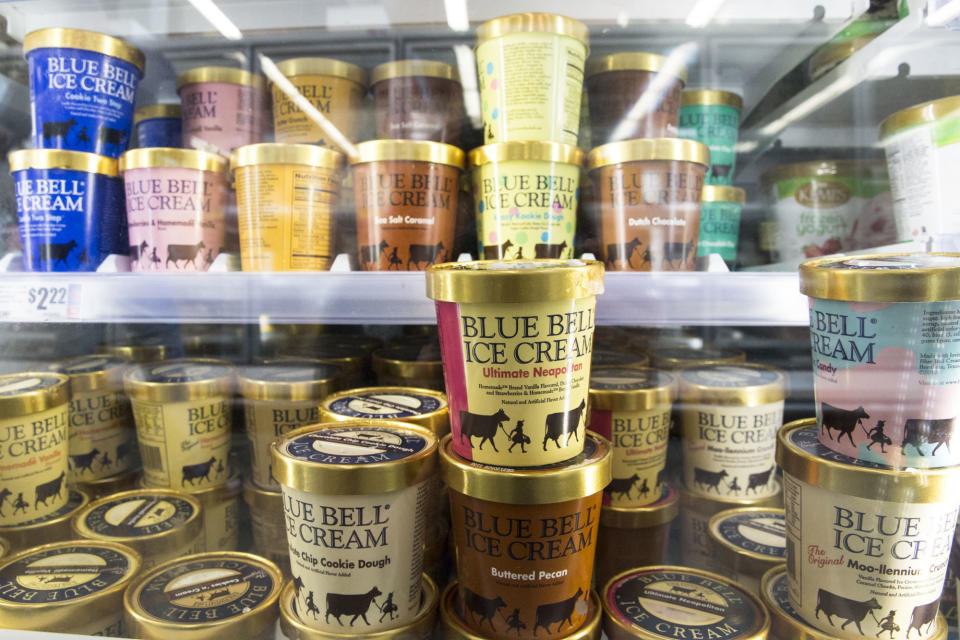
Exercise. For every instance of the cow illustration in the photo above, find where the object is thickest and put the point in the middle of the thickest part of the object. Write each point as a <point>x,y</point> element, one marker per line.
<point>708,479</point>
<point>84,461</point>
<point>185,252</point>
<point>758,480</point>
<point>843,420</point>
<point>561,612</point>
<point>677,252</point>
<point>48,490</point>
<point>546,250</point>
<point>848,610</point>
<point>425,254</point>
<point>110,137</point>
<point>924,614</point>
<point>563,422</point>
<point>496,251</point>
<point>370,253</point>
<point>350,604</point>
<point>4,494</point>
<point>623,485</point>
<point>199,472</point>
<point>617,252</point>
<point>58,129</point>
<point>485,608</point>
<point>57,251</point>
<point>481,426</point>
<point>918,432</point>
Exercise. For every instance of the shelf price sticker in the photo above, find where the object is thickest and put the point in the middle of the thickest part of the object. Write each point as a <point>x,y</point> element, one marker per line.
<point>30,301</point>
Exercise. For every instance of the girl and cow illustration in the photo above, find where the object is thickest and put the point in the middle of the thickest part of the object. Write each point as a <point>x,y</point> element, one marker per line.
<point>487,426</point>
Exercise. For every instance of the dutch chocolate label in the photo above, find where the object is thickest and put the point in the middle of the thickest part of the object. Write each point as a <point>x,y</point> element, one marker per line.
<point>368,445</point>
<point>762,532</point>
<point>389,406</point>
<point>139,516</point>
<point>62,574</point>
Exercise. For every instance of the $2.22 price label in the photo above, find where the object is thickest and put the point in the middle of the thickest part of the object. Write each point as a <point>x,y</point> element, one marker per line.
<point>32,302</point>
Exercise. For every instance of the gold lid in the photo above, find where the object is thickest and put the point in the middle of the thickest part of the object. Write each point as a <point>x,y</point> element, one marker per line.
<point>421,626</point>
<point>676,356</point>
<point>528,150</point>
<point>631,389</point>
<point>205,596</point>
<point>720,193</point>
<point>92,373</point>
<point>62,159</point>
<point>711,97</point>
<point>409,361</point>
<point>423,407</point>
<point>643,149</point>
<point>150,157</point>
<point>627,595</point>
<point>151,111</point>
<point>409,457</point>
<point>179,380</point>
<point>825,168</point>
<point>707,506</point>
<point>533,22</point>
<point>51,528</point>
<point>407,68</point>
<point>632,61</point>
<point>221,74</point>
<point>62,38</point>
<point>22,394</point>
<point>152,521</point>
<point>832,53</point>
<point>801,456</point>
<point>452,628</point>
<point>663,511</point>
<point>741,384</point>
<point>91,577</point>
<point>924,113</point>
<point>290,381</point>
<point>322,67</point>
<point>139,353</point>
<point>583,476</point>
<point>412,150</point>
<point>745,554</point>
<point>279,153</point>
<point>785,622</point>
<point>517,281</point>
<point>883,277</point>
<point>619,358</point>
<point>109,485</point>
<point>260,499</point>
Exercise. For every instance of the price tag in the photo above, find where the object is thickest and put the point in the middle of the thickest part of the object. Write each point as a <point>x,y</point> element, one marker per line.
<point>32,301</point>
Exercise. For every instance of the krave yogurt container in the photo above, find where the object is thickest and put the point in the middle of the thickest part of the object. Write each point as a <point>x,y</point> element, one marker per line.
<point>883,336</point>
<point>82,88</point>
<point>356,496</point>
<point>867,544</point>
<point>424,407</point>
<point>751,541</point>
<point>516,339</point>
<point>73,587</point>
<point>526,541</point>
<point>158,125</point>
<point>70,209</point>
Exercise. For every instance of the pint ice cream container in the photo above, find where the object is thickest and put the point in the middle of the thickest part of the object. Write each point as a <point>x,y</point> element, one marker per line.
<point>222,108</point>
<point>516,339</point>
<point>720,211</point>
<point>356,496</point>
<point>158,125</point>
<point>410,365</point>
<point>751,541</point>
<point>713,117</point>
<point>334,87</point>
<point>867,544</point>
<point>417,100</point>
<point>82,88</point>
<point>883,333</point>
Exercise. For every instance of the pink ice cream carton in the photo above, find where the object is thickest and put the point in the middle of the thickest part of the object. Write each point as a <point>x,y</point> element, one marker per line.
<point>176,207</point>
<point>223,108</point>
<point>885,336</point>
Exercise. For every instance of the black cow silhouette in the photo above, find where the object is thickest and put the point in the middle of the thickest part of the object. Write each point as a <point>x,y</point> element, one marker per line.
<point>497,251</point>
<point>370,253</point>
<point>623,485</point>
<point>19,504</point>
<point>843,420</point>
<point>848,610</point>
<point>708,479</point>
<point>349,604</point>
<point>546,250</point>
<point>617,252</point>
<point>485,608</point>
<point>918,432</point>
<point>48,490</point>
<point>426,254</point>
<point>84,461</point>
<point>4,494</point>
<point>561,612</point>
<point>563,422</point>
<point>58,129</point>
<point>110,137</point>
<point>481,426</point>
<point>923,614</point>
<point>124,449</point>
<point>677,252</point>
<point>720,170</point>
<point>757,480</point>
<point>57,251</point>
<point>200,471</point>
<point>312,605</point>
<point>185,252</point>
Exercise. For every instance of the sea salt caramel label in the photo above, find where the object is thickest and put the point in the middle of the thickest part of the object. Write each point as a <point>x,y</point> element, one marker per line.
<point>850,557</point>
<point>517,379</point>
<point>63,573</point>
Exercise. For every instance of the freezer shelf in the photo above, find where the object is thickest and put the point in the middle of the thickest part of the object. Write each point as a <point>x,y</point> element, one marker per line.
<point>694,298</point>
